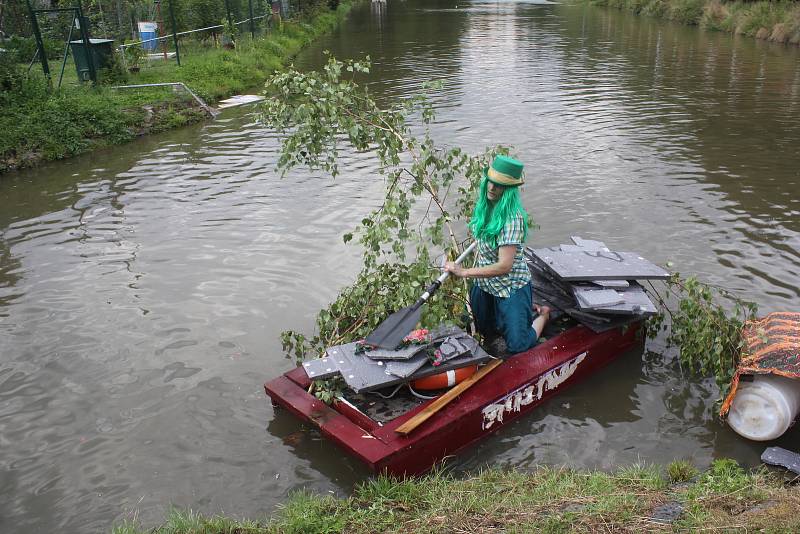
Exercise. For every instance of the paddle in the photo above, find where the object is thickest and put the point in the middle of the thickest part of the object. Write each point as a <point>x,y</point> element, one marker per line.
<point>409,426</point>
<point>393,329</point>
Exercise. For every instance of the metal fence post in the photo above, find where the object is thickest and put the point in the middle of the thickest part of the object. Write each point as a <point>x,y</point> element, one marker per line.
<point>230,18</point>
<point>84,27</point>
<point>39,43</point>
<point>66,53</point>
<point>174,34</point>
<point>252,22</point>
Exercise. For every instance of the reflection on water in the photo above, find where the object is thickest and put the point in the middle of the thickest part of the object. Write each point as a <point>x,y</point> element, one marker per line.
<point>143,288</point>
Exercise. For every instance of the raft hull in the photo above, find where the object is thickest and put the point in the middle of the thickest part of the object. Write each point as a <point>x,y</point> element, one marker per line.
<point>510,391</point>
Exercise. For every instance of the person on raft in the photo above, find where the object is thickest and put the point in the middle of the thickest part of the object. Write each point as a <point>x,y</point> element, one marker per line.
<point>501,297</point>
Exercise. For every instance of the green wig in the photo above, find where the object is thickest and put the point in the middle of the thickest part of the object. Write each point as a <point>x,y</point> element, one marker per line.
<point>489,219</point>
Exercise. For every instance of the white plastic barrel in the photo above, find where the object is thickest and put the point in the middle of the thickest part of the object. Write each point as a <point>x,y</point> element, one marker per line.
<point>764,408</point>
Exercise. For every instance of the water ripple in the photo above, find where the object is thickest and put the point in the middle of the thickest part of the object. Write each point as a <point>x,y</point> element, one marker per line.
<point>143,288</point>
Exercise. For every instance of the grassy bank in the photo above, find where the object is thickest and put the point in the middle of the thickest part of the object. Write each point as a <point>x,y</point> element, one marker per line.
<point>636,499</point>
<point>777,21</point>
<point>39,125</point>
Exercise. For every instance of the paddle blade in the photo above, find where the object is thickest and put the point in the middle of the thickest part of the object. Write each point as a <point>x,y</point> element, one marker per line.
<point>390,332</point>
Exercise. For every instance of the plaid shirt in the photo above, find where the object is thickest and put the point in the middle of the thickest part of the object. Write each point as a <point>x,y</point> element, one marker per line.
<point>504,285</point>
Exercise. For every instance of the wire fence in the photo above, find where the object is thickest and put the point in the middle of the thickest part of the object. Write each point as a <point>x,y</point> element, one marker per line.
<point>147,52</point>
<point>161,43</point>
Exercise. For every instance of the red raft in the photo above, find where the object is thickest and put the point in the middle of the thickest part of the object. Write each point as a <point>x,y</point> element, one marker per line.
<point>510,391</point>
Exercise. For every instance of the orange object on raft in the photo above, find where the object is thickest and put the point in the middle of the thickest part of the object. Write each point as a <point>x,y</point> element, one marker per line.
<point>772,346</point>
<point>446,379</point>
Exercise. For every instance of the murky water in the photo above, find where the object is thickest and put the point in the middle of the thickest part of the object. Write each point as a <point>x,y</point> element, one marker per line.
<point>143,289</point>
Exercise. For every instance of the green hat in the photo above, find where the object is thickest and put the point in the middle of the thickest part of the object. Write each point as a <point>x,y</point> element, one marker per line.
<point>504,171</point>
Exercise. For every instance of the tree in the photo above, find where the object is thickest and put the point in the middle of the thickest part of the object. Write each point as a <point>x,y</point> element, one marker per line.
<point>429,192</point>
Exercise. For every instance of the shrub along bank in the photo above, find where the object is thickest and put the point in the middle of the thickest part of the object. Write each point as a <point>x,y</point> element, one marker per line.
<point>777,21</point>
<point>637,499</point>
<point>39,124</point>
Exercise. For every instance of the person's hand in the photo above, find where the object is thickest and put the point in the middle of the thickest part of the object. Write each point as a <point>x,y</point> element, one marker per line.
<point>542,310</point>
<point>454,268</point>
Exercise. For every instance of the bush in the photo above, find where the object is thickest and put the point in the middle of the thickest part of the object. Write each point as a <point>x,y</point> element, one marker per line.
<point>681,471</point>
<point>11,76</point>
<point>115,72</point>
<point>715,15</point>
<point>637,6</point>
<point>656,8</point>
<point>687,11</point>
<point>22,49</point>
<point>760,16</point>
<point>134,54</point>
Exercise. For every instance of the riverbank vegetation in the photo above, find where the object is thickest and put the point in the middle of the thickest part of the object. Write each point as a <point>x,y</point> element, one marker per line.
<point>42,123</point>
<point>777,21</point>
<point>706,325</point>
<point>634,499</point>
<point>429,189</point>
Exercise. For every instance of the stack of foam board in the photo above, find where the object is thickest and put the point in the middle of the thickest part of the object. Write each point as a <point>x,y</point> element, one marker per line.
<point>592,283</point>
<point>368,370</point>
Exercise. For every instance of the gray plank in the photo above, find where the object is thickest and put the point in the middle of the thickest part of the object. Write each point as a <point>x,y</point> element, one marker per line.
<point>455,346</point>
<point>320,368</point>
<point>549,289</point>
<point>406,368</point>
<point>360,372</point>
<point>597,298</point>
<point>588,244</point>
<point>598,265</point>
<point>364,374</point>
<point>780,456</point>
<point>404,353</point>
<point>239,100</point>
<point>611,283</point>
<point>633,301</point>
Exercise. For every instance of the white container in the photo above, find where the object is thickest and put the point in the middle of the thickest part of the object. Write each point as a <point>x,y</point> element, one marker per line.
<point>764,408</point>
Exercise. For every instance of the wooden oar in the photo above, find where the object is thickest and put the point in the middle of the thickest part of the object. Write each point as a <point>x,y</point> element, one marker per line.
<point>408,427</point>
<point>394,328</point>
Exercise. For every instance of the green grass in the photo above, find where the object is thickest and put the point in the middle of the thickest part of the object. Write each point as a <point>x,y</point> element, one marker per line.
<point>681,471</point>
<point>38,124</point>
<point>777,21</point>
<point>725,497</point>
<point>189,522</point>
<point>74,120</point>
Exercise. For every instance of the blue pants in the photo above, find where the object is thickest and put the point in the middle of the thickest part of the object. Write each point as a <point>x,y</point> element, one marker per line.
<point>511,317</point>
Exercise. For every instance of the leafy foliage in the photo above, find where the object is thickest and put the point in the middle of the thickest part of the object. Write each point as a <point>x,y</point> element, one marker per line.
<point>12,77</point>
<point>23,49</point>
<point>228,30</point>
<point>724,476</point>
<point>114,72</point>
<point>427,189</point>
<point>134,54</point>
<point>762,19</point>
<point>681,471</point>
<point>41,124</point>
<point>706,325</point>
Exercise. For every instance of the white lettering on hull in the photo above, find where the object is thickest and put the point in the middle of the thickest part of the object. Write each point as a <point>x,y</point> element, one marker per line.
<point>514,401</point>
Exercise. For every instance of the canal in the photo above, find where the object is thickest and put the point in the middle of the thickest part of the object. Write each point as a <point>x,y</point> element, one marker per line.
<point>143,288</point>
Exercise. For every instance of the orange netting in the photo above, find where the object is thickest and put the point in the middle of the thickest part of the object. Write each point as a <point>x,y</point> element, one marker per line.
<point>772,346</point>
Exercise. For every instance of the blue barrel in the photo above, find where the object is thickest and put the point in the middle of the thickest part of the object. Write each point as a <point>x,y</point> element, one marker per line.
<point>148,30</point>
